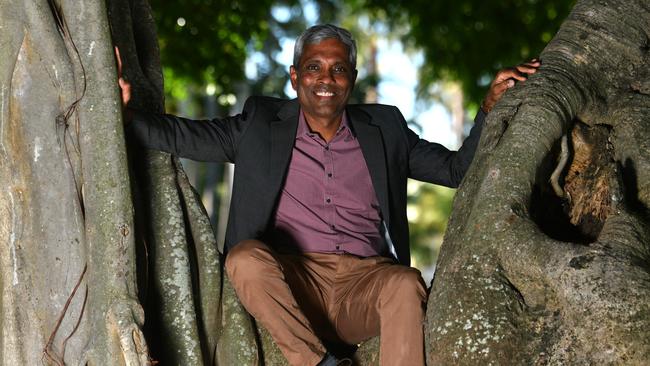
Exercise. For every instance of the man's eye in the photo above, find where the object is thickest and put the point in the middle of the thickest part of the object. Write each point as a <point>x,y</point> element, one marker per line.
<point>339,69</point>
<point>312,67</point>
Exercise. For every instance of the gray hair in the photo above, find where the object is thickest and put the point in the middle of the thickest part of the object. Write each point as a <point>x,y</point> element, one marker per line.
<point>321,32</point>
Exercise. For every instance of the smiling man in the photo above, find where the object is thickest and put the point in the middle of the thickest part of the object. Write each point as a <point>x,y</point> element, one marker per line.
<point>323,76</point>
<point>317,238</point>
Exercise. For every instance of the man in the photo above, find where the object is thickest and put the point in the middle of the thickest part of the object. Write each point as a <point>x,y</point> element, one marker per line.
<point>317,237</point>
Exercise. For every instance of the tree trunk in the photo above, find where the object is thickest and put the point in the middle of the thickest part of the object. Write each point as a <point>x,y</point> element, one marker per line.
<point>70,294</point>
<point>68,270</point>
<point>529,277</point>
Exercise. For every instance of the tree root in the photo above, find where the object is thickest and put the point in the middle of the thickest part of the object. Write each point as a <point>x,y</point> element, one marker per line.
<point>561,164</point>
<point>125,318</point>
<point>47,351</point>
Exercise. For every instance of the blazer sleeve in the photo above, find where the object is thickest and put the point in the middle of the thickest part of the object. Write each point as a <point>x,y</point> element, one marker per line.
<point>434,163</point>
<point>203,140</point>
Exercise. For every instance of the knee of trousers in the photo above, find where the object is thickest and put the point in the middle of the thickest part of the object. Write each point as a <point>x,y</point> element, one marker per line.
<point>248,260</point>
<point>406,287</point>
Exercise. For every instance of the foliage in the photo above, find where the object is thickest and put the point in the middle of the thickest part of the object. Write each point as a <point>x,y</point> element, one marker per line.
<point>429,207</point>
<point>207,39</point>
<point>468,40</point>
<point>206,43</point>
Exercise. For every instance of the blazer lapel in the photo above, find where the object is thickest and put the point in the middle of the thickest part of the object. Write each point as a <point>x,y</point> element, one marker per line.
<point>372,147</point>
<point>283,135</point>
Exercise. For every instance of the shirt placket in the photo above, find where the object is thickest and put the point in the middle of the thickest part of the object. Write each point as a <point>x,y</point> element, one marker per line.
<point>329,195</point>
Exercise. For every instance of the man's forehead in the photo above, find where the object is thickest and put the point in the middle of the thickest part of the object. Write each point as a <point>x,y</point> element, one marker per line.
<point>328,47</point>
<point>326,40</point>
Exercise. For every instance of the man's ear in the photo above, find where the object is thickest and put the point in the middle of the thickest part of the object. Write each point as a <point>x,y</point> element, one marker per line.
<point>293,74</point>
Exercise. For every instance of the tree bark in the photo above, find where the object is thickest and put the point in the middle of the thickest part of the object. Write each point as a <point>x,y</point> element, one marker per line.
<point>68,274</point>
<point>525,277</point>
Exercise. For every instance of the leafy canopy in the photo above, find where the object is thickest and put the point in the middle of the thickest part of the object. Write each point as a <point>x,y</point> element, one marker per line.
<point>469,40</point>
<point>207,41</point>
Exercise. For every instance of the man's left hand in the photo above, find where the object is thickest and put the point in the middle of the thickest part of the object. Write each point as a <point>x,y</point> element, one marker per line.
<point>505,80</point>
<point>125,88</point>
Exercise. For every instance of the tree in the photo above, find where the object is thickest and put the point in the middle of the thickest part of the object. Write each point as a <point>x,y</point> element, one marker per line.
<point>207,41</point>
<point>529,288</point>
<point>68,271</point>
<point>528,277</point>
<point>70,294</point>
<point>468,40</point>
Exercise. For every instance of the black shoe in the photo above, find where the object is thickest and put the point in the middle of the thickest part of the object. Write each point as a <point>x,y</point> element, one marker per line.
<point>331,360</point>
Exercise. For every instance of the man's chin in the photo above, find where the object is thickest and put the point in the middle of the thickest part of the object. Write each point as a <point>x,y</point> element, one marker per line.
<point>329,112</point>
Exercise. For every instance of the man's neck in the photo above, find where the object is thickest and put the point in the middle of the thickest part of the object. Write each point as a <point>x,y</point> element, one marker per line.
<point>325,127</point>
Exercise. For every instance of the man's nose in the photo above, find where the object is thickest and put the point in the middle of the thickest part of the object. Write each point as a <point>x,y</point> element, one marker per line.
<point>326,76</point>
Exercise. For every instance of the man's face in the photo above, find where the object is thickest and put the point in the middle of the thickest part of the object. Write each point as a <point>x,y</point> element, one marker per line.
<point>323,79</point>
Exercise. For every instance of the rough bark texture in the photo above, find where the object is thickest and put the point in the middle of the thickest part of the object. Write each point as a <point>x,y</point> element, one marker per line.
<point>68,271</point>
<point>526,277</point>
<point>180,266</point>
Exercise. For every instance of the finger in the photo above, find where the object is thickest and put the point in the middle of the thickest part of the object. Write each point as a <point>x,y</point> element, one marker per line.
<point>510,74</point>
<point>502,76</point>
<point>119,61</point>
<point>526,69</point>
<point>533,65</point>
<point>123,83</point>
<point>520,77</point>
<point>125,88</point>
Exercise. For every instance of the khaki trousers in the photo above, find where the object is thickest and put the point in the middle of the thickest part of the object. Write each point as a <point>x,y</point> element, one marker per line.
<point>303,298</point>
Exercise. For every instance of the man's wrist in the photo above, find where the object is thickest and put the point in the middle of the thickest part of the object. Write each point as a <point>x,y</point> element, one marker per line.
<point>484,108</point>
<point>127,115</point>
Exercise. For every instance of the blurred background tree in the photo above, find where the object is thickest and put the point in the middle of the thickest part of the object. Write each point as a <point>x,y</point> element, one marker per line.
<point>215,53</point>
<point>467,40</point>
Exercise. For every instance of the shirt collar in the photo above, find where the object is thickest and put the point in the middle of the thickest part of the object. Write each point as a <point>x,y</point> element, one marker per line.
<point>303,128</point>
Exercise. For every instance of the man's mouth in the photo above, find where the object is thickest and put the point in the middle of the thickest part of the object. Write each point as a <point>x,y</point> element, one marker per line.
<point>324,93</point>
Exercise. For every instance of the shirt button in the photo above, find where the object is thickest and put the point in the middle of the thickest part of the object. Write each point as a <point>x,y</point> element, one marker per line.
<point>333,227</point>
<point>327,147</point>
<point>329,175</point>
<point>328,200</point>
<point>338,247</point>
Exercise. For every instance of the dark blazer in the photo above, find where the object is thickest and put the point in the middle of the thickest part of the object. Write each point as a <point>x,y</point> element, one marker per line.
<point>259,142</point>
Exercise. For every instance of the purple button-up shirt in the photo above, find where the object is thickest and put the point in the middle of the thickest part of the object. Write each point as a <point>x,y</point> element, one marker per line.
<point>328,203</point>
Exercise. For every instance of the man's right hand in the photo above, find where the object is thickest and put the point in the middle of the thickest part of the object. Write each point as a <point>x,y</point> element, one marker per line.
<point>125,86</point>
<point>506,79</point>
